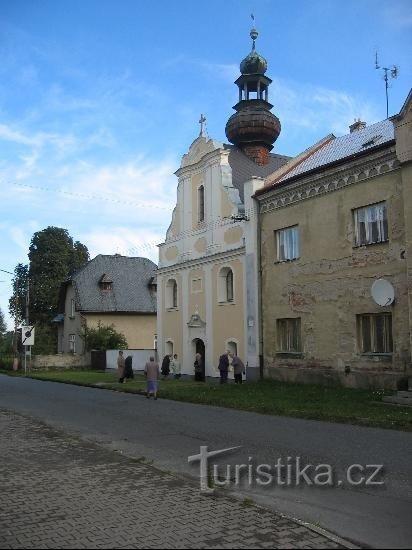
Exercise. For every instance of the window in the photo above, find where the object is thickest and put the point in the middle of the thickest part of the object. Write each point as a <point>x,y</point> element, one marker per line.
<point>375,333</point>
<point>288,332</point>
<point>371,224</point>
<point>201,204</point>
<point>171,294</point>
<point>72,308</point>
<point>287,244</point>
<point>72,343</point>
<point>229,286</point>
<point>225,290</point>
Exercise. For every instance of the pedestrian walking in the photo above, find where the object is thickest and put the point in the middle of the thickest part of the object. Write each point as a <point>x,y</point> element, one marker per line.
<point>176,366</point>
<point>238,368</point>
<point>224,367</point>
<point>120,367</point>
<point>152,374</point>
<point>198,366</point>
<point>166,366</point>
<point>128,368</point>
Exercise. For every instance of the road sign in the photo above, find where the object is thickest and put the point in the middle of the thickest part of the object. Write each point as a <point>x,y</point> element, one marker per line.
<point>27,336</point>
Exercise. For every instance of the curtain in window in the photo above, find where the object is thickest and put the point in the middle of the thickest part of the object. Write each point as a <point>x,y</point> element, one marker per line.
<point>371,224</point>
<point>288,244</point>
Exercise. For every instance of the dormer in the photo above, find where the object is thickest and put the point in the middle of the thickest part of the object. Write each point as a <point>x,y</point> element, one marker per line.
<point>106,283</point>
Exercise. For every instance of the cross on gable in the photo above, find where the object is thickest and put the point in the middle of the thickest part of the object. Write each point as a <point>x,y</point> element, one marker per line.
<point>202,121</point>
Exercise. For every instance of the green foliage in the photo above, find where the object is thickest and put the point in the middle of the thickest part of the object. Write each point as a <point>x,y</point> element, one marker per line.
<point>6,342</point>
<point>3,326</point>
<point>53,256</point>
<point>17,302</point>
<point>45,341</point>
<point>104,337</point>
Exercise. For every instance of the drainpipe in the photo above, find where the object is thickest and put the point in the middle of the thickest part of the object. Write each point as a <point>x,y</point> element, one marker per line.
<point>259,283</point>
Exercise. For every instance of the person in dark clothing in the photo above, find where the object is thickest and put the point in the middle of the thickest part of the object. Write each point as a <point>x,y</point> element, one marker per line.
<point>224,367</point>
<point>165,370</point>
<point>128,368</point>
<point>238,368</point>
<point>198,366</point>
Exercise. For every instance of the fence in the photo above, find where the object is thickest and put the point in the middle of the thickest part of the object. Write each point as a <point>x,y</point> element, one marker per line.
<point>140,358</point>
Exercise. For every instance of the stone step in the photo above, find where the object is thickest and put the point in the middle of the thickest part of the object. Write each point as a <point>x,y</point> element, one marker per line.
<point>396,400</point>
<point>405,394</point>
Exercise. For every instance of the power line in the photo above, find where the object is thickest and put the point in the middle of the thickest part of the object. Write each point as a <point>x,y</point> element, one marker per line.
<point>142,204</point>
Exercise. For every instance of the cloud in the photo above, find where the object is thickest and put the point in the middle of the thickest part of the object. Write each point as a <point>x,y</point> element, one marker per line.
<point>317,108</point>
<point>123,240</point>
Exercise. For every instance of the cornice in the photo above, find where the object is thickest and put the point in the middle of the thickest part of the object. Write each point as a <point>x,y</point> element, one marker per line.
<point>333,179</point>
<point>213,258</point>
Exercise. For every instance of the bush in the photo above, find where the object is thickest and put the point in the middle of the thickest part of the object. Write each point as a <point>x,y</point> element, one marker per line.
<point>104,337</point>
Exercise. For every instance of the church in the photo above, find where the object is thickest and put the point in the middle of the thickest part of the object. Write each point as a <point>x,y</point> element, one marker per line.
<point>208,276</point>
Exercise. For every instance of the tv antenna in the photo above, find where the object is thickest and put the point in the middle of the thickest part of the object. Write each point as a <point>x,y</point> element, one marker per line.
<point>390,72</point>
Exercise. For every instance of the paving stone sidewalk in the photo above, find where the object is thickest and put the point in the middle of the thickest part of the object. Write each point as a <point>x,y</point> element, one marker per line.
<point>58,491</point>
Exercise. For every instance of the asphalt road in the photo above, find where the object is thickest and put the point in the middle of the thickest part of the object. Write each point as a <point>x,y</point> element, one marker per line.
<point>168,432</point>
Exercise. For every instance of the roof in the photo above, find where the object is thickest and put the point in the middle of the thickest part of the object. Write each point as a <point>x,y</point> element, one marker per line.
<point>333,149</point>
<point>130,290</point>
<point>243,168</point>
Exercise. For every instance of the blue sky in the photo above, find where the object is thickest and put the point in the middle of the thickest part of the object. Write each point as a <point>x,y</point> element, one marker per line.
<point>100,99</point>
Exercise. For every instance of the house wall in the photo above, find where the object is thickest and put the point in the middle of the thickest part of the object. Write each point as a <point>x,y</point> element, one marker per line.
<point>331,281</point>
<point>139,330</point>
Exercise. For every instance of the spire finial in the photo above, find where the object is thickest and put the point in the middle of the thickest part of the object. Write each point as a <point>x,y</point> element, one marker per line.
<point>253,33</point>
<point>202,122</point>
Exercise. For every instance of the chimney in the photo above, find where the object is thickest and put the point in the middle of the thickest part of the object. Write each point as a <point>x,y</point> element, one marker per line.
<point>357,125</point>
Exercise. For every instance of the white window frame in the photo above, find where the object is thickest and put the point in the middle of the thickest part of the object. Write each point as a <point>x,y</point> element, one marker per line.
<point>72,308</point>
<point>287,244</point>
<point>374,219</point>
<point>222,293</point>
<point>72,343</point>
<point>172,294</point>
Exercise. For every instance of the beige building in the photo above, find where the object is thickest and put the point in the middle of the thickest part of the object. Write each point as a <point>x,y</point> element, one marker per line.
<point>336,258</point>
<point>109,290</point>
<point>207,276</point>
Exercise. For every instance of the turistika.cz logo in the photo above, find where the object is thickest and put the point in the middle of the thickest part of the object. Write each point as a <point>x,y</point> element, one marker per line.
<point>284,472</point>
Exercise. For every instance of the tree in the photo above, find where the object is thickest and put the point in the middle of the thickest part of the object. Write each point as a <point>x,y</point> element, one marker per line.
<point>53,257</point>
<point>18,300</point>
<point>3,326</point>
<point>104,337</point>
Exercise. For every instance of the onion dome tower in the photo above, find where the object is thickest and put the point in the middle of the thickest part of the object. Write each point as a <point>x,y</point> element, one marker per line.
<point>253,128</point>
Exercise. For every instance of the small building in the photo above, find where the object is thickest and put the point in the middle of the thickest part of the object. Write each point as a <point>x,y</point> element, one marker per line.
<point>335,226</point>
<point>109,290</point>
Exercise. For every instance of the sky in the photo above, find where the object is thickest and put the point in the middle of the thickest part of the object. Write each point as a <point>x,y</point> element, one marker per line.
<point>100,99</point>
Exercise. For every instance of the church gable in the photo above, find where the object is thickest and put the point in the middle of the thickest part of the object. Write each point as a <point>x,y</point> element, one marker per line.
<point>199,148</point>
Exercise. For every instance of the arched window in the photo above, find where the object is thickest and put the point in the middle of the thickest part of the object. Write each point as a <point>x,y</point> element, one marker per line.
<point>174,297</point>
<point>171,294</point>
<point>201,204</point>
<point>229,286</point>
<point>225,289</point>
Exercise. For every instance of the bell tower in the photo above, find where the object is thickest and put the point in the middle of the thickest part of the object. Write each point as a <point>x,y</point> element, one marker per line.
<point>253,128</point>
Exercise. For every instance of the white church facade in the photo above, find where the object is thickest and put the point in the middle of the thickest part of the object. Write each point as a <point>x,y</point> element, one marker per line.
<point>207,281</point>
